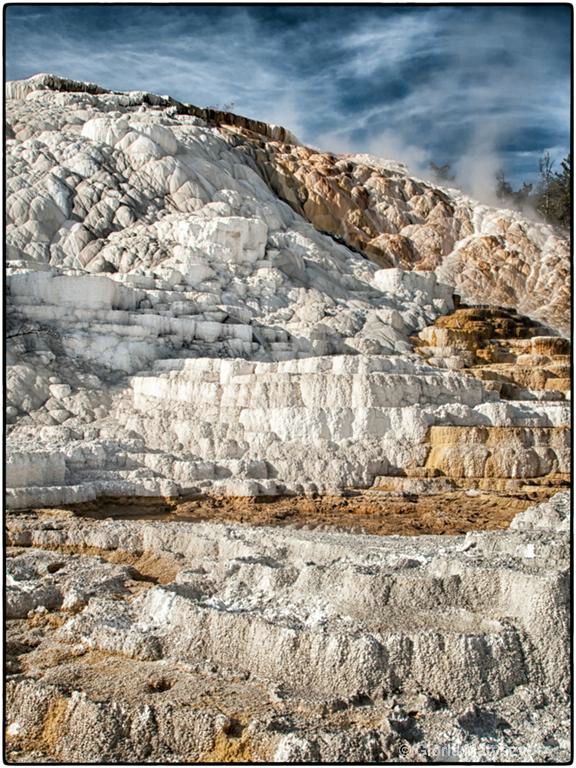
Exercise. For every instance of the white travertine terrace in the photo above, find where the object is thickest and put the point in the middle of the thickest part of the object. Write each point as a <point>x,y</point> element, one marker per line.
<point>321,646</point>
<point>175,327</point>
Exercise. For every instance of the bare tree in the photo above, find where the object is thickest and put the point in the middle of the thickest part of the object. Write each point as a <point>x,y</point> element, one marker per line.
<point>503,187</point>
<point>545,166</point>
<point>442,172</point>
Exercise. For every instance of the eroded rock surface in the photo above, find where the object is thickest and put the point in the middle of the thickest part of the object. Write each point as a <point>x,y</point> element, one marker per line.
<point>175,327</point>
<point>270,644</point>
<point>199,306</point>
<point>488,255</point>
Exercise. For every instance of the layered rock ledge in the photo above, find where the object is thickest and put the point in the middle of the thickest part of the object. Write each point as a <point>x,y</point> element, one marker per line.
<point>177,328</point>
<point>206,319</point>
<point>272,644</point>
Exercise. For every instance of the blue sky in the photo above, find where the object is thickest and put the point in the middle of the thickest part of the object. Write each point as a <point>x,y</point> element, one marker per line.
<point>478,86</point>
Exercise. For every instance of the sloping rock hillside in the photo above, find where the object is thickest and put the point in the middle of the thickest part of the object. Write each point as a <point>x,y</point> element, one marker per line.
<point>176,327</point>
<point>231,361</point>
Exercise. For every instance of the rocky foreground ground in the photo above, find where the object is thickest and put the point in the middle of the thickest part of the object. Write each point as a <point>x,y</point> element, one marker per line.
<point>169,640</point>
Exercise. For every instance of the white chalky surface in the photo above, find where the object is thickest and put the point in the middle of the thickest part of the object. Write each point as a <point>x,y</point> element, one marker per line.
<point>334,647</point>
<point>174,327</point>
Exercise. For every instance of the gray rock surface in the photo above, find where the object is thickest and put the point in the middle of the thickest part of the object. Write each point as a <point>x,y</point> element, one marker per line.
<point>175,327</point>
<point>287,645</point>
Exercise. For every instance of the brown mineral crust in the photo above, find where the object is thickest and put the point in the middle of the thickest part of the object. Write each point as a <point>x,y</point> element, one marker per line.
<point>371,512</point>
<point>400,222</point>
<point>499,346</point>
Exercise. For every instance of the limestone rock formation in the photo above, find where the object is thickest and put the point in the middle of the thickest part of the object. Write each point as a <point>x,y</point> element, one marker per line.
<point>273,645</point>
<point>488,255</point>
<point>176,327</point>
<point>206,318</point>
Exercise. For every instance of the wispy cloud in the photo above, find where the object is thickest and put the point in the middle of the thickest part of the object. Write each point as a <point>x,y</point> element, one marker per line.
<point>476,86</point>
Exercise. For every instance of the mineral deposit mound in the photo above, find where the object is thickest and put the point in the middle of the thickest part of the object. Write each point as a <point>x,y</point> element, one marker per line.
<point>287,451</point>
